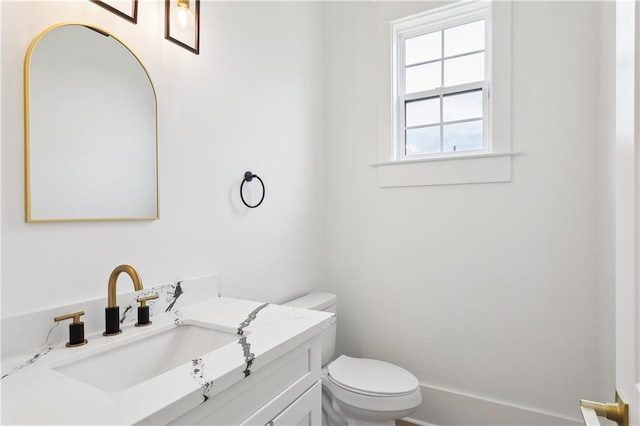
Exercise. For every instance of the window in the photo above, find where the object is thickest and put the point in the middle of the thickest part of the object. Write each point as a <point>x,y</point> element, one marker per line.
<point>441,85</point>
<point>446,117</point>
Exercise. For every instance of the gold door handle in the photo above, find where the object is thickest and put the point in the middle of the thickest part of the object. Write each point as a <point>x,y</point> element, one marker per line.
<point>618,412</point>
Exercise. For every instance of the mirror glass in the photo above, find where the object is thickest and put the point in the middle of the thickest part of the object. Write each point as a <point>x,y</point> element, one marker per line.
<point>90,129</point>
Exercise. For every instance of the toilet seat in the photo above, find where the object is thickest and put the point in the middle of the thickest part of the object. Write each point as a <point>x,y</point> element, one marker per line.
<point>371,377</point>
<point>371,385</point>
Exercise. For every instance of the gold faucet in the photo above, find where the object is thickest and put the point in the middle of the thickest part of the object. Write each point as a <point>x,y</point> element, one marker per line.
<point>111,290</point>
<point>112,311</point>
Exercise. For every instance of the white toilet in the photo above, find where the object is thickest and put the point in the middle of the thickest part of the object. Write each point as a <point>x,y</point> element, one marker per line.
<point>359,391</point>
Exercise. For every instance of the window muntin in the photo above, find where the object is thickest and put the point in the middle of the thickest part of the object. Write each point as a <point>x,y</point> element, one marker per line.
<point>447,123</point>
<point>442,89</point>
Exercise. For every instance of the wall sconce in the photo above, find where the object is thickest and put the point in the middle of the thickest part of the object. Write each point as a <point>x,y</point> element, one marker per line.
<point>181,14</point>
<point>182,23</point>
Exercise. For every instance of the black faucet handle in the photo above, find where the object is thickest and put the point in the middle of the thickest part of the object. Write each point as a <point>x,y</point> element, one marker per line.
<point>76,329</point>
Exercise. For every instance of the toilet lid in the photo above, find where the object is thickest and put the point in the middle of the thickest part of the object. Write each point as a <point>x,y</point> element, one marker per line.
<point>371,377</point>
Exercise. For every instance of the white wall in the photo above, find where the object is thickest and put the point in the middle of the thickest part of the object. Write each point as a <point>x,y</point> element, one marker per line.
<point>485,291</point>
<point>252,100</point>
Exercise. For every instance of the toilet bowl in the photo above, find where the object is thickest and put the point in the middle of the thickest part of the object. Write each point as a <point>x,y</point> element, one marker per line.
<point>359,391</point>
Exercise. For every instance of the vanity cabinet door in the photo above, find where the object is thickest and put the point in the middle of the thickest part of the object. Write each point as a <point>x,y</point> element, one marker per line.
<point>304,411</point>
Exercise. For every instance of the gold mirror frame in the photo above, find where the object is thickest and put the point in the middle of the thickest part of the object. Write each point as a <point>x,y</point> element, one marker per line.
<point>28,122</point>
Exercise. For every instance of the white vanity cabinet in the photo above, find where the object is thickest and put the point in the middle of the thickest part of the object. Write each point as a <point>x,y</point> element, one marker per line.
<point>267,375</point>
<point>305,411</point>
<point>283,391</point>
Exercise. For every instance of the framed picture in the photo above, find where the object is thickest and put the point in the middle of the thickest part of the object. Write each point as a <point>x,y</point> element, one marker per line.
<point>182,23</point>
<point>127,9</point>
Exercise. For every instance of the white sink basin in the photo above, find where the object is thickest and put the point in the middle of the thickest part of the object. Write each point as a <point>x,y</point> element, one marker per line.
<point>122,367</point>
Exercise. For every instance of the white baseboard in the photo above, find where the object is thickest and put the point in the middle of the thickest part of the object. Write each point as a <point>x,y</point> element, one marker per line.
<point>448,408</point>
<point>417,422</point>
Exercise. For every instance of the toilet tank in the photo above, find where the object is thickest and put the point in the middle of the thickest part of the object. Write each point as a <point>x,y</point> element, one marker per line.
<point>326,302</point>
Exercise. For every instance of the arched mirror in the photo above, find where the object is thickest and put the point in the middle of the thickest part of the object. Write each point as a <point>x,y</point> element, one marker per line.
<point>91,149</point>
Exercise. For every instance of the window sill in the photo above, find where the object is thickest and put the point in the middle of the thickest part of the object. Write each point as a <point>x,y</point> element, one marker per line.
<point>461,169</point>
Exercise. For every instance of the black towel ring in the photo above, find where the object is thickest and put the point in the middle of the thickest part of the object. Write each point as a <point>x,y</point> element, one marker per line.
<point>248,177</point>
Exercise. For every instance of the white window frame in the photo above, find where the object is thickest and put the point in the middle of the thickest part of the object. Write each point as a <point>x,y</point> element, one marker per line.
<point>493,163</point>
<point>416,27</point>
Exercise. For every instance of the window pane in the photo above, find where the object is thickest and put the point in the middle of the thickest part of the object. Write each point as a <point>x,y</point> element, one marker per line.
<point>464,38</point>
<point>463,136</point>
<point>421,112</point>
<point>465,69</point>
<point>423,48</point>
<point>422,77</point>
<point>462,106</point>
<point>425,140</point>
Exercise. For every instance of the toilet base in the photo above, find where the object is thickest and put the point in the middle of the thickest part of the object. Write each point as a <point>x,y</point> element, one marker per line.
<point>334,415</point>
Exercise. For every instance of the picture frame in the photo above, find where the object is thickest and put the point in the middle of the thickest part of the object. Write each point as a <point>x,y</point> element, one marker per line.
<point>126,9</point>
<point>182,23</point>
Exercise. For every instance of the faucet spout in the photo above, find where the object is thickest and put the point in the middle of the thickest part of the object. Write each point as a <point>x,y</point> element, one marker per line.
<point>112,311</point>
<point>113,278</point>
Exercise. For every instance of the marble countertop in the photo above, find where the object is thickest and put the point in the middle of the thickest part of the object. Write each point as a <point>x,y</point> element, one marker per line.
<point>34,393</point>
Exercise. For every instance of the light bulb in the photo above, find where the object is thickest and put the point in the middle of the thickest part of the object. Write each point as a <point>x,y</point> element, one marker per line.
<point>182,15</point>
